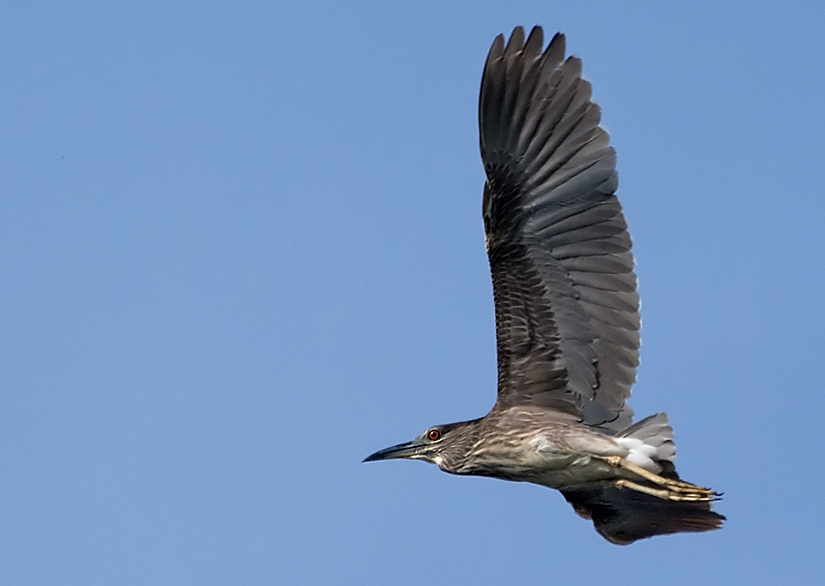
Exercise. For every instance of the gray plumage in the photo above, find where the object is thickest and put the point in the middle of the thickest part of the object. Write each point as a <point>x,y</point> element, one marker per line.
<point>567,311</point>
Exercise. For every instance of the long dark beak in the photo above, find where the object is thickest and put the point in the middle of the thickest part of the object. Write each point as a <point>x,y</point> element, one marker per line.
<point>405,450</point>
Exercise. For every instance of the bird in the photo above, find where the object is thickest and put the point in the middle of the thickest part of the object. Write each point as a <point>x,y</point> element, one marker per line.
<point>566,312</point>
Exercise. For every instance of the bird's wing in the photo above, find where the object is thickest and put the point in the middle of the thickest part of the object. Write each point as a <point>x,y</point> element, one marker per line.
<point>567,311</point>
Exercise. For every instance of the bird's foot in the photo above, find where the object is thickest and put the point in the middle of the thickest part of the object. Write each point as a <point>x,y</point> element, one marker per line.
<point>674,490</point>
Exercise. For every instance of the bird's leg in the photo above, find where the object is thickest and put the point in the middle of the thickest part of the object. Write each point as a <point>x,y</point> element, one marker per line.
<point>663,493</point>
<point>675,489</point>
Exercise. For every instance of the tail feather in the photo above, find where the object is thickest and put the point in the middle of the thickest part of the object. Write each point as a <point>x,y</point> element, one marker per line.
<point>650,441</point>
<point>622,515</point>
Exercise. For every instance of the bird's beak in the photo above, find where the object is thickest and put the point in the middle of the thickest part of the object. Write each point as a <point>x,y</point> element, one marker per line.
<point>405,450</point>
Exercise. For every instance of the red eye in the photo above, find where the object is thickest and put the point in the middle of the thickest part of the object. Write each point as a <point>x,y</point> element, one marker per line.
<point>433,435</point>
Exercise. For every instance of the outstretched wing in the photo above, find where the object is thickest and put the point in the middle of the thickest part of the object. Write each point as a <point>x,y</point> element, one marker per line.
<point>567,311</point>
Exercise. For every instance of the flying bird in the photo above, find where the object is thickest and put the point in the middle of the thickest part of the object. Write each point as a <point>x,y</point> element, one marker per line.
<point>567,312</point>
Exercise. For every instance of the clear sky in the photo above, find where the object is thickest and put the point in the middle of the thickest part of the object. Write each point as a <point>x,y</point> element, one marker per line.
<point>241,248</point>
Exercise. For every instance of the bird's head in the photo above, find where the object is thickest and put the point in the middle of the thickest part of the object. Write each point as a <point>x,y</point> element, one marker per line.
<point>442,445</point>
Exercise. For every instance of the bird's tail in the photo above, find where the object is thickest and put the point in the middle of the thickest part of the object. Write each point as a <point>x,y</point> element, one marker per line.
<point>623,515</point>
<point>650,442</point>
<point>654,501</point>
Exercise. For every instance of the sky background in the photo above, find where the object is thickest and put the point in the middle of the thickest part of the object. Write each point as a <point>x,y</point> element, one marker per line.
<point>241,249</point>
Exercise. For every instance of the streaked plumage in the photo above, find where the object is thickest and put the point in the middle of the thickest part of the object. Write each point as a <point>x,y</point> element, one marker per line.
<point>567,311</point>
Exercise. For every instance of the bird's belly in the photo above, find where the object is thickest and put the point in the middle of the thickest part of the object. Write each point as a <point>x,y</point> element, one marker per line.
<point>575,470</point>
<point>550,470</point>
<point>546,466</point>
<point>558,465</point>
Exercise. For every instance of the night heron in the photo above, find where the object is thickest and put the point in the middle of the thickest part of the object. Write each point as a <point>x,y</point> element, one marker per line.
<point>567,312</point>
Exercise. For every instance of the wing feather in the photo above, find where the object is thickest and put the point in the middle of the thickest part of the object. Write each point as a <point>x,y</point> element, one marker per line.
<point>567,319</point>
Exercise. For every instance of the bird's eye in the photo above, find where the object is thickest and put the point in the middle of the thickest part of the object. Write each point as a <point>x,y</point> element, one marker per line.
<point>433,435</point>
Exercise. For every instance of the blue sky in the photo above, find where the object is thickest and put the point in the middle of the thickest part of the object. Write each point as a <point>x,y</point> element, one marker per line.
<point>241,248</point>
